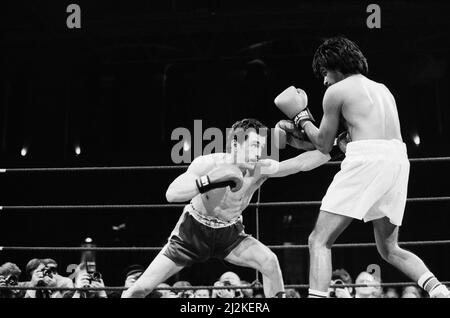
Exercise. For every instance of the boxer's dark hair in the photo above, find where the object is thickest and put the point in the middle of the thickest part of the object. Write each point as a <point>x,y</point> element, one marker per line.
<point>339,54</point>
<point>248,123</point>
<point>243,126</point>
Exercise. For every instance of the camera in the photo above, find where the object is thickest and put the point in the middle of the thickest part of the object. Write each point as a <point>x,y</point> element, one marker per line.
<point>96,277</point>
<point>48,271</point>
<point>336,282</point>
<point>226,283</point>
<point>91,269</point>
<point>185,294</point>
<point>237,292</point>
<point>11,280</point>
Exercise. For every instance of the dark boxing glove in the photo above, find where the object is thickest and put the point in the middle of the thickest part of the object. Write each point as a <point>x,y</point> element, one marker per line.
<point>286,132</point>
<point>340,146</point>
<point>301,118</point>
<point>221,177</point>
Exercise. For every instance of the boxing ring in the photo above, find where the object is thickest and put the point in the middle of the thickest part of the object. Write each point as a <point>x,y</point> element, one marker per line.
<point>257,205</point>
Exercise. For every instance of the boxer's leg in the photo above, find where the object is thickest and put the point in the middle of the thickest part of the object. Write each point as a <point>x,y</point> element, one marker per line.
<point>327,229</point>
<point>254,254</point>
<point>157,272</point>
<point>386,237</point>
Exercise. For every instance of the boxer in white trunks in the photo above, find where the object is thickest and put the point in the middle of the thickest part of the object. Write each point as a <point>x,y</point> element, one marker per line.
<point>219,187</point>
<point>373,180</point>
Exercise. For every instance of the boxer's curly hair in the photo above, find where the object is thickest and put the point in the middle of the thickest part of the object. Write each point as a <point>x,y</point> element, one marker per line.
<point>244,126</point>
<point>339,54</point>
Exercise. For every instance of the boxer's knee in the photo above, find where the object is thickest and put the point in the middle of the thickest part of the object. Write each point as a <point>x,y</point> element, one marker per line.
<point>389,252</point>
<point>270,264</point>
<point>319,240</point>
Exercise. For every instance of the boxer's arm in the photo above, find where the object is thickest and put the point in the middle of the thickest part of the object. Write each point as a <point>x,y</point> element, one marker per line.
<point>323,137</point>
<point>184,187</point>
<point>304,162</point>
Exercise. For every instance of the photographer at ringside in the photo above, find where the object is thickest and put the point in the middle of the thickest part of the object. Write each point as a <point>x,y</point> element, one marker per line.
<point>40,276</point>
<point>87,276</point>
<point>341,277</point>
<point>228,279</point>
<point>9,276</point>
<point>61,281</point>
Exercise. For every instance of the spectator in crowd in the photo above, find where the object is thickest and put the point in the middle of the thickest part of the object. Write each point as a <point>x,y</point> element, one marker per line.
<point>228,279</point>
<point>366,292</point>
<point>9,276</point>
<point>40,276</point>
<point>378,292</point>
<point>246,292</point>
<point>202,293</point>
<point>340,277</point>
<point>83,279</point>
<point>292,293</point>
<point>60,281</point>
<point>184,293</point>
<point>411,292</point>
<point>132,273</point>
<point>166,293</point>
<point>259,294</point>
<point>232,279</point>
<point>391,292</point>
<point>222,293</point>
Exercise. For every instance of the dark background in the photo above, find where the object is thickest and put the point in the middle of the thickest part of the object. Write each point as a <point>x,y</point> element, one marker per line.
<point>136,70</point>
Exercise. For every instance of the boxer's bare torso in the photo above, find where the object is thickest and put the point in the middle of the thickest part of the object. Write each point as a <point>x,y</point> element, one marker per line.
<point>368,108</point>
<point>223,204</point>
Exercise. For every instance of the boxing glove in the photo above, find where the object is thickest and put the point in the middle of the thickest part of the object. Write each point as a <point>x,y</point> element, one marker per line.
<point>222,176</point>
<point>293,103</point>
<point>287,133</point>
<point>340,146</point>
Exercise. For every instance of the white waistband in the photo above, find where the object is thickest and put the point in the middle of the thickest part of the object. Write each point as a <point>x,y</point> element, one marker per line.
<point>393,147</point>
<point>210,221</point>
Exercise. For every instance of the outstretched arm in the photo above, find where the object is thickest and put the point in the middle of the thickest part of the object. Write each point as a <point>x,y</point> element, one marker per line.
<point>304,162</point>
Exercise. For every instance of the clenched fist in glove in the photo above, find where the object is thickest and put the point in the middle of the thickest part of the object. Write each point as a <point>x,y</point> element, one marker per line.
<point>286,132</point>
<point>220,177</point>
<point>340,146</point>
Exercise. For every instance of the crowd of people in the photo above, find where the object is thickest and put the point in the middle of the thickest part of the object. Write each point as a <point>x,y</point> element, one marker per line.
<point>44,273</point>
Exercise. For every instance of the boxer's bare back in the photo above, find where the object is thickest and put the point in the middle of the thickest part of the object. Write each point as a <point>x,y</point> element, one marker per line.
<point>368,107</point>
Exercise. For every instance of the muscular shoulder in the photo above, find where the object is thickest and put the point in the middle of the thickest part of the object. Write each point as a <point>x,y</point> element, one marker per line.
<point>218,158</point>
<point>334,96</point>
<point>208,162</point>
<point>386,91</point>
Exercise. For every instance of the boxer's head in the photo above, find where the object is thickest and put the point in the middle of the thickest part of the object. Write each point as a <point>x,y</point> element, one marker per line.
<point>337,58</point>
<point>246,139</point>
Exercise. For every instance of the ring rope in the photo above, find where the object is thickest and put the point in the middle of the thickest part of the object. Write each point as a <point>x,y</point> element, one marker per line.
<point>135,168</point>
<point>171,205</point>
<point>143,249</point>
<point>252,286</point>
<point>141,206</point>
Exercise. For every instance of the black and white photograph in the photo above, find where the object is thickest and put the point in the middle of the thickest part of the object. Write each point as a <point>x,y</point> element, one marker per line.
<point>236,150</point>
